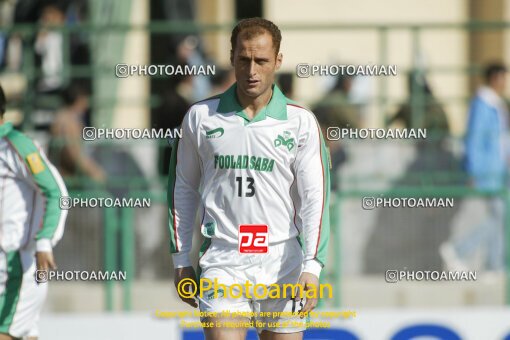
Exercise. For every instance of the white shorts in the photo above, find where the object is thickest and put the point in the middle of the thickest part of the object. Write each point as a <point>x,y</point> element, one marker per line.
<point>282,264</point>
<point>21,298</point>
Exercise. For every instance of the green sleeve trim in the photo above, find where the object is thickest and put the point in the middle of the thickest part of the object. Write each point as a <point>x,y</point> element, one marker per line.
<point>170,197</point>
<point>322,246</point>
<point>44,180</point>
<point>9,299</point>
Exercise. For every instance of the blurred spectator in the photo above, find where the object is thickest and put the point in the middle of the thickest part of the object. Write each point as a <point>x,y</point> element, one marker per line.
<point>3,47</point>
<point>67,151</point>
<point>49,46</point>
<point>10,44</point>
<point>79,41</point>
<point>422,230</point>
<point>13,53</point>
<point>422,110</point>
<point>174,10</point>
<point>336,110</point>
<point>28,11</point>
<point>433,119</point>
<point>188,51</point>
<point>171,113</point>
<point>186,47</point>
<point>486,162</point>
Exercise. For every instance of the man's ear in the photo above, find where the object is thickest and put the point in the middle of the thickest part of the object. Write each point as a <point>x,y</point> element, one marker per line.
<point>279,59</point>
<point>232,57</point>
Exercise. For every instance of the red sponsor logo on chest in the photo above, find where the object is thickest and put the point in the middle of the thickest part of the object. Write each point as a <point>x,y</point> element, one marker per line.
<point>253,238</point>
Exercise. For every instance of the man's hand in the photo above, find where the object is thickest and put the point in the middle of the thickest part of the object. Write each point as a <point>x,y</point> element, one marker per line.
<point>45,260</point>
<point>182,274</point>
<point>308,281</point>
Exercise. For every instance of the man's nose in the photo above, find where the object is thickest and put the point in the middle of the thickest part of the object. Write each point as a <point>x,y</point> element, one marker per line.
<point>252,69</point>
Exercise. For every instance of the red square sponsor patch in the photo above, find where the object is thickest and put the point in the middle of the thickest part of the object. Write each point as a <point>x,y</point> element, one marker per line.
<point>253,238</point>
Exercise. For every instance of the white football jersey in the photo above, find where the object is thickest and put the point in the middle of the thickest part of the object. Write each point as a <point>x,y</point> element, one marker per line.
<point>269,175</point>
<point>30,192</point>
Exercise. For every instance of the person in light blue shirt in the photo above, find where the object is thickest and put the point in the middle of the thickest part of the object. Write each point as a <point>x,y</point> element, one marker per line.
<point>486,163</point>
<point>486,147</point>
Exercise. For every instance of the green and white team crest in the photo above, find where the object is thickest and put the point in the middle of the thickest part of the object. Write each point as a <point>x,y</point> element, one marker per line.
<point>215,133</point>
<point>219,294</point>
<point>209,229</point>
<point>285,140</point>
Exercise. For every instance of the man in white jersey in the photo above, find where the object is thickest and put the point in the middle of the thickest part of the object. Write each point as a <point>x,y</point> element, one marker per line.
<point>256,167</point>
<point>31,223</point>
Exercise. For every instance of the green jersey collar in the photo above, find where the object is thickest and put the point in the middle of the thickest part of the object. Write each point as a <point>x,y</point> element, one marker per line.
<point>5,129</point>
<point>276,108</point>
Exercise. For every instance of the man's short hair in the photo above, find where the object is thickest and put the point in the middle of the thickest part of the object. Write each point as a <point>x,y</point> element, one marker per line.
<point>76,89</point>
<point>2,102</point>
<point>252,27</point>
<point>493,69</point>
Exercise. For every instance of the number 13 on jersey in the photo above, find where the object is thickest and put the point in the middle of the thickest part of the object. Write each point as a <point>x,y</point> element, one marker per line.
<point>249,191</point>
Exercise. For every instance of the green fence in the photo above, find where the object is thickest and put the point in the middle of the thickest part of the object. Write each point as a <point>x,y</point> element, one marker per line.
<point>110,230</point>
<point>101,33</point>
<point>119,225</point>
<point>437,192</point>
